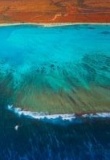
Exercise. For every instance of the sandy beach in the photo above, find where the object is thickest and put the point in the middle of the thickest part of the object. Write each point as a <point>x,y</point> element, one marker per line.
<point>52,24</point>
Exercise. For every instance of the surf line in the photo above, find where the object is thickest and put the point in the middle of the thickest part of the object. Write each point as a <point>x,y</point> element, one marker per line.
<point>42,115</point>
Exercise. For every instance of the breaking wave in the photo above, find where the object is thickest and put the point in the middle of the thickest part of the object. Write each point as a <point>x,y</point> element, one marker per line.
<point>69,117</point>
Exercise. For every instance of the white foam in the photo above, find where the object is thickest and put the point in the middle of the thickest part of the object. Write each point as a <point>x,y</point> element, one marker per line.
<point>97,115</point>
<point>40,115</point>
<point>70,117</point>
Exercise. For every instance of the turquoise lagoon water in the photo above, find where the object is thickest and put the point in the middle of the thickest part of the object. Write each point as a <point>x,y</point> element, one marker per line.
<point>67,57</point>
<point>82,51</point>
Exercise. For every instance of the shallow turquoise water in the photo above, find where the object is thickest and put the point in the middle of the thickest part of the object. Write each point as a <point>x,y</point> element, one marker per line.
<point>55,44</point>
<point>83,51</point>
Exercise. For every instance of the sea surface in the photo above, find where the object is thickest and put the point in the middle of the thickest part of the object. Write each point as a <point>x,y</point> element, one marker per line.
<point>37,60</point>
<point>53,139</point>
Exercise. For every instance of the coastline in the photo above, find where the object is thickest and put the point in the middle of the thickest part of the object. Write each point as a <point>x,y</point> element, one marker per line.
<point>51,24</point>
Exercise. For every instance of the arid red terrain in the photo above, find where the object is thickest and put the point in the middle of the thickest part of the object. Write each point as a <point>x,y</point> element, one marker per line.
<point>51,11</point>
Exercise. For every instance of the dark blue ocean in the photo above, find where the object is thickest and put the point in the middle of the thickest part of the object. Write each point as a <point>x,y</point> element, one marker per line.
<point>25,48</point>
<point>53,140</point>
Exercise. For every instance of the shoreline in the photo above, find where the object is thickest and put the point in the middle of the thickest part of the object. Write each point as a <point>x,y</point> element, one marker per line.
<point>51,24</point>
